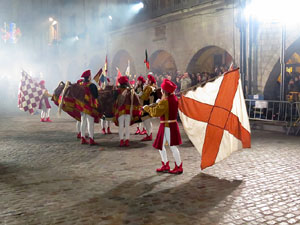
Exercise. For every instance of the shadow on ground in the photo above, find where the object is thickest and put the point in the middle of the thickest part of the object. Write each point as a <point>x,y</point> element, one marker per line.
<point>132,202</point>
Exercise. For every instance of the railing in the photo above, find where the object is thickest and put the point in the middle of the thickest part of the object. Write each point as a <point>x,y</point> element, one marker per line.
<point>283,113</point>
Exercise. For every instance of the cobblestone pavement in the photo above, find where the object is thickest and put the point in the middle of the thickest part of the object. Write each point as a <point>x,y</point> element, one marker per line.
<point>47,177</point>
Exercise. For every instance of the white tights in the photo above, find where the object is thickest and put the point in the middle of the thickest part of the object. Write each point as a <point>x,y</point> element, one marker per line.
<point>174,149</point>
<point>89,121</point>
<point>124,122</point>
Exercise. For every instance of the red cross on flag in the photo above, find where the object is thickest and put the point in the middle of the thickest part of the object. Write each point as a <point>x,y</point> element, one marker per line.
<point>215,118</point>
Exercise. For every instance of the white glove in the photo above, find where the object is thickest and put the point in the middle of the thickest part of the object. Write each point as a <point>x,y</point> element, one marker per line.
<point>158,100</point>
<point>144,106</point>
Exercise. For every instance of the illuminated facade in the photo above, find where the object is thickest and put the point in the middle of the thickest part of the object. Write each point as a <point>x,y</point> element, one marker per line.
<point>180,35</point>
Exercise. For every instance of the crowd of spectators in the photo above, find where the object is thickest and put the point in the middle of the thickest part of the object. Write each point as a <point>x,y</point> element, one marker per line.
<point>185,80</point>
<point>292,82</point>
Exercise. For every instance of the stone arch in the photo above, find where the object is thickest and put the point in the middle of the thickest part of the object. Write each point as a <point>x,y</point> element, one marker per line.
<point>120,60</point>
<point>161,62</point>
<point>207,58</point>
<point>272,87</point>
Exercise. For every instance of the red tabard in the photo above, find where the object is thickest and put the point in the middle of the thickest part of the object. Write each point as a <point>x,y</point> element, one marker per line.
<point>46,101</point>
<point>174,129</point>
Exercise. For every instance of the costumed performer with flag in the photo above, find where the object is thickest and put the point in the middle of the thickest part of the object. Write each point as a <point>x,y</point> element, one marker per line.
<point>86,119</point>
<point>122,112</point>
<point>138,89</point>
<point>167,110</point>
<point>147,99</point>
<point>44,104</point>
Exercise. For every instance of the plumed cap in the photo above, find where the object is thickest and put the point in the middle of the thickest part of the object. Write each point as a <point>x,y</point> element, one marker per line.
<point>151,78</point>
<point>142,79</point>
<point>123,80</point>
<point>168,86</point>
<point>42,82</point>
<point>86,73</point>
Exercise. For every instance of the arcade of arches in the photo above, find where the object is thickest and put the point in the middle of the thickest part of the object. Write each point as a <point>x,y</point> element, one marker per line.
<point>162,62</point>
<point>121,60</point>
<point>206,59</point>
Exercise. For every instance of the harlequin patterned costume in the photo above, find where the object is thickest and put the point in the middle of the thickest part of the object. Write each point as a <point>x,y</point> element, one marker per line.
<point>127,110</point>
<point>147,99</point>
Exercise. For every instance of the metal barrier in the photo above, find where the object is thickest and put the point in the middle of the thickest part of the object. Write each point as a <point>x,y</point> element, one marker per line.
<point>282,113</point>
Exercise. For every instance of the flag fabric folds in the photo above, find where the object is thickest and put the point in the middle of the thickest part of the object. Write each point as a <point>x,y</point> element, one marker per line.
<point>30,94</point>
<point>127,72</point>
<point>118,76</point>
<point>105,67</point>
<point>215,118</point>
<point>146,61</point>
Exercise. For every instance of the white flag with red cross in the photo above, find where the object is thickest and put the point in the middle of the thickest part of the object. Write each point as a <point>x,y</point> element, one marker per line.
<point>30,94</point>
<point>215,118</point>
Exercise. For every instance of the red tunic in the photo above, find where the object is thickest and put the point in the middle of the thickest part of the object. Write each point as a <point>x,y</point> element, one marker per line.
<point>168,113</point>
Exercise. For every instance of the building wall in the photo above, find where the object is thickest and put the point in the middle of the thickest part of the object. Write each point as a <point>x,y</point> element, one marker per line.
<point>182,34</point>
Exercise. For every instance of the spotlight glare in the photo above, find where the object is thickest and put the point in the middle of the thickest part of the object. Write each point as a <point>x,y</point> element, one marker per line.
<point>54,22</point>
<point>110,17</point>
<point>51,19</point>
<point>76,38</point>
<point>137,7</point>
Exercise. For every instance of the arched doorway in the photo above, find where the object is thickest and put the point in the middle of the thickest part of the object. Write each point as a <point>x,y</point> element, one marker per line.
<point>292,59</point>
<point>206,59</point>
<point>120,60</point>
<point>162,62</point>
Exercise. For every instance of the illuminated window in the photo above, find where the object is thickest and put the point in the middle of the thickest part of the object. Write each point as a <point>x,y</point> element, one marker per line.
<point>10,33</point>
<point>53,32</point>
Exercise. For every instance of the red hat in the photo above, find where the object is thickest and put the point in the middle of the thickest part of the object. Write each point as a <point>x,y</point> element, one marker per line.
<point>86,73</point>
<point>42,82</point>
<point>132,82</point>
<point>168,86</point>
<point>142,79</point>
<point>151,78</point>
<point>123,80</point>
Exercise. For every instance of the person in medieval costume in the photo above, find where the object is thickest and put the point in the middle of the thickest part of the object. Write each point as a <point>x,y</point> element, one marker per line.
<point>44,104</point>
<point>168,133</point>
<point>126,109</point>
<point>123,114</point>
<point>139,89</point>
<point>91,93</point>
<point>105,120</point>
<point>147,99</point>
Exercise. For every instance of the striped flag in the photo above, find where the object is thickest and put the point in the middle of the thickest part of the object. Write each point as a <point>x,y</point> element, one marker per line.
<point>215,118</point>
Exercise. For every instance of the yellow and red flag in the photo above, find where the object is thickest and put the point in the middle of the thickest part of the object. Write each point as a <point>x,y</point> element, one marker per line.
<point>215,118</point>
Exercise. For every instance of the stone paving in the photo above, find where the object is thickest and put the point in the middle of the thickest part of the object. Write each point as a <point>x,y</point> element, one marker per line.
<point>47,177</point>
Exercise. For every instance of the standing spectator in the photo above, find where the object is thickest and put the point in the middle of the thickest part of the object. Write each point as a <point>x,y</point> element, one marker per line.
<point>186,81</point>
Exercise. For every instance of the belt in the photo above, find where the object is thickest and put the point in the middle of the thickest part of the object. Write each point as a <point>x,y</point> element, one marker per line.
<point>168,121</point>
